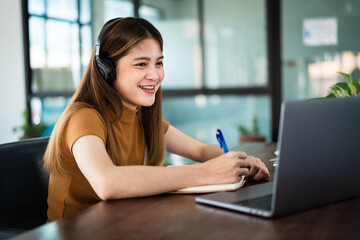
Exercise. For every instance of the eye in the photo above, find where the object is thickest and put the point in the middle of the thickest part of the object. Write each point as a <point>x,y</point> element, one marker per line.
<point>160,64</point>
<point>141,64</point>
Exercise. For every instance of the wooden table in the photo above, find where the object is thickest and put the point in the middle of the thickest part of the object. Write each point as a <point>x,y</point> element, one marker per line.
<point>180,217</point>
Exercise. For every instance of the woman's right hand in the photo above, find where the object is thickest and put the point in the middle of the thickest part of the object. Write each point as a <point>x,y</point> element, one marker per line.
<point>227,168</point>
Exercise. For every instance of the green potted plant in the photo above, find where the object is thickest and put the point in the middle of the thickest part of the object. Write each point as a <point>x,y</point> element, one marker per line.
<point>30,130</point>
<point>349,88</point>
<point>251,134</point>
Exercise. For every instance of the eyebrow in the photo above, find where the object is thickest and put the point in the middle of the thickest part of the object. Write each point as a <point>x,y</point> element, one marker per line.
<point>147,58</point>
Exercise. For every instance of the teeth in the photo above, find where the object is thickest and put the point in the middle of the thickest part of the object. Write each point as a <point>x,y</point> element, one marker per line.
<point>147,87</point>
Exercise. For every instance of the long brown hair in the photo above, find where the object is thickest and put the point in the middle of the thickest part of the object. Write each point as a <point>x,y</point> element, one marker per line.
<point>96,93</point>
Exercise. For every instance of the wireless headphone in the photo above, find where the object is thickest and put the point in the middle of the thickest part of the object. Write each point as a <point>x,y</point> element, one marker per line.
<point>106,68</point>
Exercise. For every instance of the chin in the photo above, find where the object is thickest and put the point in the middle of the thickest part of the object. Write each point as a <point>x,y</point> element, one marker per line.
<point>147,103</point>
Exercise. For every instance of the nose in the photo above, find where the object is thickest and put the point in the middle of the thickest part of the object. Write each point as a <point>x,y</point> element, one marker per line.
<point>154,73</point>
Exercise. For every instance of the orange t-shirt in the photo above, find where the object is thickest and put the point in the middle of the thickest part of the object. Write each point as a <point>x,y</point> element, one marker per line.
<point>71,193</point>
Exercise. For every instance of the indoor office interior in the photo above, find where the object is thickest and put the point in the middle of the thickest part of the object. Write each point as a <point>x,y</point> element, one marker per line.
<point>227,63</point>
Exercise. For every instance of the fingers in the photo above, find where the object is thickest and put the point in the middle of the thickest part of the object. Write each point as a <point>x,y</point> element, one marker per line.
<point>254,165</point>
<point>229,167</point>
<point>243,171</point>
<point>257,169</point>
<point>244,164</point>
<point>237,154</point>
<point>261,173</point>
<point>250,166</point>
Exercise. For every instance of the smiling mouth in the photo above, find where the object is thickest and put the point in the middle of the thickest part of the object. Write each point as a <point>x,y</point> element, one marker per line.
<point>149,88</point>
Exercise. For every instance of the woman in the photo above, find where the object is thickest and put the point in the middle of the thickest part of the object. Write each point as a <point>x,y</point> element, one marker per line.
<point>96,151</point>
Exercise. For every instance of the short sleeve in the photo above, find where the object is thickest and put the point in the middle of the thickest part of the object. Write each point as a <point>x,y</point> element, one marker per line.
<point>85,121</point>
<point>166,125</point>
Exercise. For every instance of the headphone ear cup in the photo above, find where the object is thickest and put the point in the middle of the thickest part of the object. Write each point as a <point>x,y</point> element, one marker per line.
<point>106,69</point>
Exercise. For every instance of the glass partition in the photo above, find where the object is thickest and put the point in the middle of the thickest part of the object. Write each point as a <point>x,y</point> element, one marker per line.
<point>178,23</point>
<point>319,39</point>
<point>48,110</point>
<point>209,46</point>
<point>117,8</point>
<point>200,116</point>
<point>235,43</point>
<point>58,39</point>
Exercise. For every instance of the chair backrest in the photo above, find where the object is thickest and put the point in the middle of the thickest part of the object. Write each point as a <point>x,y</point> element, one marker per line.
<point>23,184</point>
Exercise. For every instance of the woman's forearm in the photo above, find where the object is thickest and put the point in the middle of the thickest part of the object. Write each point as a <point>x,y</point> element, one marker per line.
<point>140,181</point>
<point>114,182</point>
<point>209,152</point>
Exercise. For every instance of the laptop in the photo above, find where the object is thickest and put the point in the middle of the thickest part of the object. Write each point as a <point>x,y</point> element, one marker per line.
<point>318,161</point>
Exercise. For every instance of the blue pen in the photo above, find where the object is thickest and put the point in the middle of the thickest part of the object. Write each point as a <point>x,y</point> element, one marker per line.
<point>221,140</point>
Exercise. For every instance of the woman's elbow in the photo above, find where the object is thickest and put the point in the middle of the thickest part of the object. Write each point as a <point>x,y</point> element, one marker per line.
<point>104,190</point>
<point>104,196</point>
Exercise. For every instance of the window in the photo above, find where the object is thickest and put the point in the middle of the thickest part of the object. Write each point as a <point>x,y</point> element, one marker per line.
<point>310,62</point>
<point>116,8</point>
<point>59,45</point>
<point>216,59</point>
<point>235,51</point>
<point>216,66</point>
<point>200,115</point>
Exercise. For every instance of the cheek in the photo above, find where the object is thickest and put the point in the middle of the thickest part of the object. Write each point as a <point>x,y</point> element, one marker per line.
<point>120,84</point>
<point>117,86</point>
<point>161,75</point>
<point>125,78</point>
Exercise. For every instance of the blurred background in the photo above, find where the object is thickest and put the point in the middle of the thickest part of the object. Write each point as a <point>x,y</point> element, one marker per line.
<point>227,63</point>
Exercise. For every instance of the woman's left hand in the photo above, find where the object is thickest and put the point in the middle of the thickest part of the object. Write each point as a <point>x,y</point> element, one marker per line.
<point>258,170</point>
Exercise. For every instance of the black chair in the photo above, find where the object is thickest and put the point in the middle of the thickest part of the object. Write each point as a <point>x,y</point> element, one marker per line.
<point>23,185</point>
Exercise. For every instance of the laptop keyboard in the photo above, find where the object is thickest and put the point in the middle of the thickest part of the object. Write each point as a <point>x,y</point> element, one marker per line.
<point>263,202</point>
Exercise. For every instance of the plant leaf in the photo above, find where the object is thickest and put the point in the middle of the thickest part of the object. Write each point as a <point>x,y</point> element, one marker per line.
<point>341,90</point>
<point>331,95</point>
<point>353,85</point>
<point>243,130</point>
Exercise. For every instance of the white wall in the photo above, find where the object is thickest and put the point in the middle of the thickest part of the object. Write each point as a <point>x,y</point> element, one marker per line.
<point>12,73</point>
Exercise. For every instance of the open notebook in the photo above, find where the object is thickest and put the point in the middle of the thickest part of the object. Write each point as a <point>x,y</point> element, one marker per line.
<point>212,188</point>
